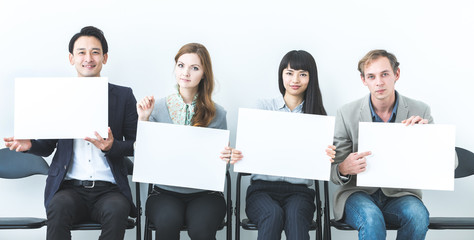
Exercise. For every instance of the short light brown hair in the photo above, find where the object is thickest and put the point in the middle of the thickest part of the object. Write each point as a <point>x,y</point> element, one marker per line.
<point>375,54</point>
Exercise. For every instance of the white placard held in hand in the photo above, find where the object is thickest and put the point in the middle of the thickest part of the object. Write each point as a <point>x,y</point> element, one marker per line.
<point>421,156</point>
<point>182,156</point>
<point>284,144</point>
<point>61,108</point>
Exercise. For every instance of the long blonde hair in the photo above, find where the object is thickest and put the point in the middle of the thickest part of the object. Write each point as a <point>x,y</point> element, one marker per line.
<point>205,110</point>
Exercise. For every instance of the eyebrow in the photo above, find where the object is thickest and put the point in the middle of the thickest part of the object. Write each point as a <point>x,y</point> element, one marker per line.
<point>92,49</point>
<point>189,65</point>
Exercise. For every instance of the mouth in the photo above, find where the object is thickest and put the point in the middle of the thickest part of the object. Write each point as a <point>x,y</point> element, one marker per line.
<point>185,80</point>
<point>88,66</point>
<point>295,87</point>
<point>380,91</point>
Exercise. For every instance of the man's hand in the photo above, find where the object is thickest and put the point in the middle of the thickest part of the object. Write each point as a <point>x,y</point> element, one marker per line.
<point>101,143</point>
<point>18,145</point>
<point>415,119</point>
<point>354,164</point>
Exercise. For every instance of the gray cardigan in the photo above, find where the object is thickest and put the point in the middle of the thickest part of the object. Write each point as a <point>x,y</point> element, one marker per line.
<point>161,114</point>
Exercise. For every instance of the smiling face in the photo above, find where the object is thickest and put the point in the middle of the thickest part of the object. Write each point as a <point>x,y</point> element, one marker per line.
<point>189,71</point>
<point>88,56</point>
<point>380,79</point>
<point>295,81</point>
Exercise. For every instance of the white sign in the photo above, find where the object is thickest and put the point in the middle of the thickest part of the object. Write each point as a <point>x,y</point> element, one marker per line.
<point>421,156</point>
<point>55,108</point>
<point>178,155</point>
<point>284,144</point>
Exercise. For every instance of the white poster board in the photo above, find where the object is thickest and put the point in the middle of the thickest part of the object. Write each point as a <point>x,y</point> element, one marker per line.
<point>55,108</point>
<point>284,144</point>
<point>421,156</point>
<point>182,156</point>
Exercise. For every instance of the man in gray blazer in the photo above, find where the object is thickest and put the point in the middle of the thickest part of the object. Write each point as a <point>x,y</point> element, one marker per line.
<point>369,209</point>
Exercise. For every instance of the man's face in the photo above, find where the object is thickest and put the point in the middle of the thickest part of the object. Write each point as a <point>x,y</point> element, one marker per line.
<point>380,78</point>
<point>88,57</point>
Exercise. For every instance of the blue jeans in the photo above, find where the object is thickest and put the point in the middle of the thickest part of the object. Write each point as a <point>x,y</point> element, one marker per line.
<point>369,214</point>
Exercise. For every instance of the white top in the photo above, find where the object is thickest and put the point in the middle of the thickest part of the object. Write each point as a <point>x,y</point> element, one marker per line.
<point>88,163</point>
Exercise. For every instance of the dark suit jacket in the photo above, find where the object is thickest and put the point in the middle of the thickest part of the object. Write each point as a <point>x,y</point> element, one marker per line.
<point>123,123</point>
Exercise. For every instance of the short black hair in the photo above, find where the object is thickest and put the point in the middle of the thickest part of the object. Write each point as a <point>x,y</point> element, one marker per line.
<point>302,60</point>
<point>89,31</point>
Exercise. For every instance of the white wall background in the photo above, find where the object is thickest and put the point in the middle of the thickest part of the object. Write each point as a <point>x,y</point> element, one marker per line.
<point>432,39</point>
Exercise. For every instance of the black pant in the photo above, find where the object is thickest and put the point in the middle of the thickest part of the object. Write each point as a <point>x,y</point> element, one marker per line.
<point>201,212</point>
<point>73,204</point>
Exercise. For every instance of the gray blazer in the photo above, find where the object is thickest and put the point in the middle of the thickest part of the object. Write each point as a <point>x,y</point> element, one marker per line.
<point>346,141</point>
<point>161,114</point>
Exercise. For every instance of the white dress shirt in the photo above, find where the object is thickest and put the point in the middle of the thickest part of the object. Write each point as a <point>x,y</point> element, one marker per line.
<point>88,163</point>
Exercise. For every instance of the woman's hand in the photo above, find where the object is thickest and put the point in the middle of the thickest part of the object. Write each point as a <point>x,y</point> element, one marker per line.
<point>331,152</point>
<point>145,107</point>
<point>231,155</point>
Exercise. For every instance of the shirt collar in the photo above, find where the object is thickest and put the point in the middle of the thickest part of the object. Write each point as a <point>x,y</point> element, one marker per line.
<point>282,105</point>
<point>376,117</point>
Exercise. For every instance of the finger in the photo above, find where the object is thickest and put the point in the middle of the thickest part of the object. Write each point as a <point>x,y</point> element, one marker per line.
<point>110,135</point>
<point>237,152</point>
<point>97,135</point>
<point>8,139</point>
<point>18,149</point>
<point>331,160</point>
<point>363,154</point>
<point>332,147</point>
<point>424,121</point>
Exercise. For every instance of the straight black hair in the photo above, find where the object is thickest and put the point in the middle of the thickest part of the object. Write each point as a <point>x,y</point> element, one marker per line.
<point>89,31</point>
<point>302,60</point>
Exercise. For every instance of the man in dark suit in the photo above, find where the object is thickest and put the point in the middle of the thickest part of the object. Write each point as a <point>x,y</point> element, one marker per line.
<point>87,179</point>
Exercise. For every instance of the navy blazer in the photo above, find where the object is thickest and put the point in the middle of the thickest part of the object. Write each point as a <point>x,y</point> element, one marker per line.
<point>123,123</point>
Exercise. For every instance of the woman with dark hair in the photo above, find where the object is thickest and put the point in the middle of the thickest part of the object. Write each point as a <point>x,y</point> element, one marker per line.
<point>283,203</point>
<point>170,208</point>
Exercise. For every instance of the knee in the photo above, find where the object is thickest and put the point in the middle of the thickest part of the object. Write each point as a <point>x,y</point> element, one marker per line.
<point>116,210</point>
<point>273,215</point>
<point>372,219</point>
<point>416,215</point>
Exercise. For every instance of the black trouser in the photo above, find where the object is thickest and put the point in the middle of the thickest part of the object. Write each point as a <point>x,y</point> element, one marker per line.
<point>201,212</point>
<point>73,204</point>
<point>278,206</point>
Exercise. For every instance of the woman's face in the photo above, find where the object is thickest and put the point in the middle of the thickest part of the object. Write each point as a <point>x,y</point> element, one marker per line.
<point>295,81</point>
<point>189,71</point>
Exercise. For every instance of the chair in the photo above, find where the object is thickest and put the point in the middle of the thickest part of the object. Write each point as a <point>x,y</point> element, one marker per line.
<point>16,165</point>
<point>149,227</point>
<point>132,223</point>
<point>465,168</point>
<point>248,225</point>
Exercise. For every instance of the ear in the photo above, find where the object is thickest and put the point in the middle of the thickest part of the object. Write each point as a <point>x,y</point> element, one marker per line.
<point>363,79</point>
<point>71,58</point>
<point>106,56</point>
<point>397,75</point>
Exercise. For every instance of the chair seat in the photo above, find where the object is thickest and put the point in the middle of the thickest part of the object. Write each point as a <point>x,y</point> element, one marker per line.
<point>343,226</point>
<point>89,225</point>
<point>248,225</point>
<point>21,222</point>
<point>451,223</point>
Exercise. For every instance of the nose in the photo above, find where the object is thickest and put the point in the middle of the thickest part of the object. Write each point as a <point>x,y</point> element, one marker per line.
<point>186,72</point>
<point>378,81</point>
<point>88,57</point>
<point>295,78</point>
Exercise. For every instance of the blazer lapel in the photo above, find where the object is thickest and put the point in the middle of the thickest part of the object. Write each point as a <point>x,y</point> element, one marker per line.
<point>112,104</point>
<point>402,111</point>
<point>365,114</point>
